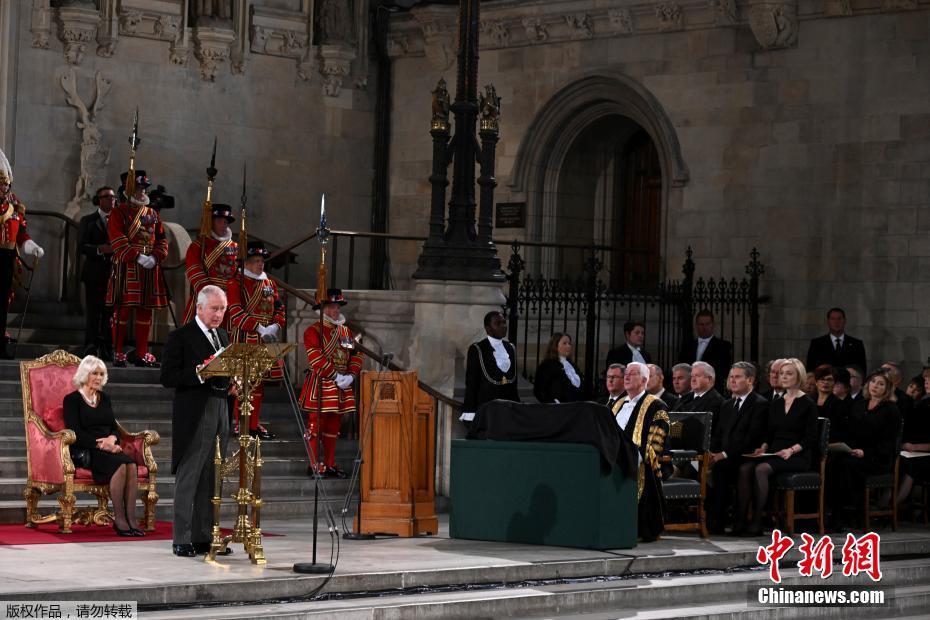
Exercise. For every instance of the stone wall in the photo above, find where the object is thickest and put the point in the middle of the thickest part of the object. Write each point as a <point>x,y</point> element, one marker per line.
<point>283,97</point>
<point>803,129</point>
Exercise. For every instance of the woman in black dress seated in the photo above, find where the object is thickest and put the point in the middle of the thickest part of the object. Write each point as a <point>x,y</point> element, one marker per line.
<point>790,438</point>
<point>916,439</point>
<point>89,414</point>
<point>828,405</point>
<point>557,379</point>
<point>874,424</point>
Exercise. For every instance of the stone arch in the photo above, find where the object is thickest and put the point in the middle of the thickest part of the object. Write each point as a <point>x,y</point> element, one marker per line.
<point>562,120</point>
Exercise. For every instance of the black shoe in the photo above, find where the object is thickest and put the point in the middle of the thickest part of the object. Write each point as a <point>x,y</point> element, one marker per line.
<point>262,433</point>
<point>334,472</point>
<point>119,360</point>
<point>311,471</point>
<point>204,549</point>
<point>136,532</point>
<point>120,532</point>
<point>184,551</point>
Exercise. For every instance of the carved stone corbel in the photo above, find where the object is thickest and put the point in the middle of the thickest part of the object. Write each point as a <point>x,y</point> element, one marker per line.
<point>536,30</point>
<point>212,49</point>
<point>41,24</point>
<point>670,17</point>
<point>108,30</point>
<point>497,32</point>
<point>726,12</point>
<point>621,20</point>
<point>436,26</point>
<point>77,26</point>
<point>581,25</point>
<point>775,24</point>
<point>337,62</point>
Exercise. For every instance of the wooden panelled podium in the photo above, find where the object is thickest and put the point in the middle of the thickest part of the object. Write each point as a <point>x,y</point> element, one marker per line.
<point>398,452</point>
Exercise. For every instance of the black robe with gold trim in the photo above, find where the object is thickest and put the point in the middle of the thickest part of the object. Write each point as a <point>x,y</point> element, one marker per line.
<point>647,428</point>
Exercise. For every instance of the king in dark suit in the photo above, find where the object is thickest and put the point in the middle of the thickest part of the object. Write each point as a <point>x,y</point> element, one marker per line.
<point>94,245</point>
<point>708,348</point>
<point>836,348</point>
<point>490,368</point>
<point>738,429</point>
<point>199,416</point>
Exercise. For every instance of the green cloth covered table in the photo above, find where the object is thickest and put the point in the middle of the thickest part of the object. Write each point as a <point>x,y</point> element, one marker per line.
<point>540,493</point>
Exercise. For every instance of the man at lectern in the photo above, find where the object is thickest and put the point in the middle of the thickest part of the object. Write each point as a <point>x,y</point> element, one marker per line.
<point>644,419</point>
<point>491,368</point>
<point>198,416</point>
<point>329,389</point>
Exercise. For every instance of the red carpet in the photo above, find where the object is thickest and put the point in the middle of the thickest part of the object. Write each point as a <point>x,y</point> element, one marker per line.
<point>48,534</point>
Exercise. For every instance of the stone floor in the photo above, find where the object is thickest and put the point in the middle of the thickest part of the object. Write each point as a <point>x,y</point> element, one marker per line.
<point>404,571</point>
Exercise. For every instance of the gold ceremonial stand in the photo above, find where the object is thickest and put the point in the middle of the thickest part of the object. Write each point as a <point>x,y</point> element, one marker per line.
<point>245,364</point>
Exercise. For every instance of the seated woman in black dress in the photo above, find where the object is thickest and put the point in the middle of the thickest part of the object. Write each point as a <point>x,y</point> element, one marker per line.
<point>790,437</point>
<point>916,439</point>
<point>828,405</point>
<point>874,424</point>
<point>89,414</point>
<point>557,379</point>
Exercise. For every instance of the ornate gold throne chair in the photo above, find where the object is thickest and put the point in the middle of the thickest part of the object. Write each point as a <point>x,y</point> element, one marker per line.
<point>45,383</point>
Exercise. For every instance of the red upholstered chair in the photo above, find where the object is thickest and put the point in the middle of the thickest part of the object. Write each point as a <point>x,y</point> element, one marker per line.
<point>45,383</point>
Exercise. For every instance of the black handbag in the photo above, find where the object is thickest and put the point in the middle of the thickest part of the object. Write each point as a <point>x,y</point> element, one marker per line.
<point>81,458</point>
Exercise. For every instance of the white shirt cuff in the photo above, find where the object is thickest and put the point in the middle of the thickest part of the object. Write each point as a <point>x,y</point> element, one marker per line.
<point>467,416</point>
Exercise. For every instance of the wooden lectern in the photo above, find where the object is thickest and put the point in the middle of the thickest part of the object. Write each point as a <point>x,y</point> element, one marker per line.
<point>397,430</point>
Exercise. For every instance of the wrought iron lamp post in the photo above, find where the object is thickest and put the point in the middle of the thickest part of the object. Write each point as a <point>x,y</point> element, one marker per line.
<point>455,248</point>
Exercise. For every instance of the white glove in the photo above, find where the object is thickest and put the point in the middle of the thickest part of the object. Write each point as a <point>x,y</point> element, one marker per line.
<point>30,247</point>
<point>343,381</point>
<point>146,261</point>
<point>268,333</point>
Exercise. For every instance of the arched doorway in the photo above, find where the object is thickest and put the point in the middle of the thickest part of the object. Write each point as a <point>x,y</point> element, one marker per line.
<point>599,165</point>
<point>609,194</point>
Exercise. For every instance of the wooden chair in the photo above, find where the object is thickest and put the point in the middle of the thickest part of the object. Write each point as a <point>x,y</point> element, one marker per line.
<point>887,481</point>
<point>45,383</point>
<point>787,485</point>
<point>688,440</point>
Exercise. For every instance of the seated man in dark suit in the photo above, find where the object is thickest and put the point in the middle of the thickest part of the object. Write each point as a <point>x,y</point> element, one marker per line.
<point>632,349</point>
<point>491,368</point>
<point>708,348</point>
<point>681,379</point>
<point>855,383</point>
<point>656,386</point>
<point>836,348</point>
<point>703,396</point>
<point>614,383</point>
<point>738,430</point>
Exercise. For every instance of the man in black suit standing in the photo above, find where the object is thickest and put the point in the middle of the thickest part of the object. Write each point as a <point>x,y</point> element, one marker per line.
<point>738,430</point>
<point>94,245</point>
<point>703,396</point>
<point>490,368</point>
<point>656,387</point>
<point>836,348</point>
<point>199,416</point>
<point>708,348</point>
<point>634,334</point>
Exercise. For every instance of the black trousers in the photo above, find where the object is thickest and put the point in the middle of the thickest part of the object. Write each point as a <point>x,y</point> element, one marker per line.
<point>98,333</point>
<point>724,475</point>
<point>7,266</point>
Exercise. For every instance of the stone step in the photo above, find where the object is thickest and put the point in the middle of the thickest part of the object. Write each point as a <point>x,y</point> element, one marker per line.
<point>272,508</point>
<point>63,321</point>
<point>293,448</point>
<point>690,596</point>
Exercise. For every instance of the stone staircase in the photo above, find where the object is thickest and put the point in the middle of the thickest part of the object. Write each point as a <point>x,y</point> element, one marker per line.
<point>140,402</point>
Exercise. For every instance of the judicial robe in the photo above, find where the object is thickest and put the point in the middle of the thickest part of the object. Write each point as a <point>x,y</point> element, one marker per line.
<point>647,428</point>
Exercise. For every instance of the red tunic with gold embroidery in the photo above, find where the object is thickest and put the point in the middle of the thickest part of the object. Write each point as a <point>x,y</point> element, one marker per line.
<point>252,303</point>
<point>334,353</point>
<point>12,223</point>
<point>136,230</point>
<point>215,266</point>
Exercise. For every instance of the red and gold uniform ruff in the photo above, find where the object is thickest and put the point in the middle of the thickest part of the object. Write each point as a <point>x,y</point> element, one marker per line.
<point>329,354</point>
<point>136,230</point>
<point>254,303</point>
<point>216,268</point>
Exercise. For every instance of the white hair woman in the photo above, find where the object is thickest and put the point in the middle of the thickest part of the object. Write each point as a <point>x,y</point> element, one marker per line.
<point>89,413</point>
